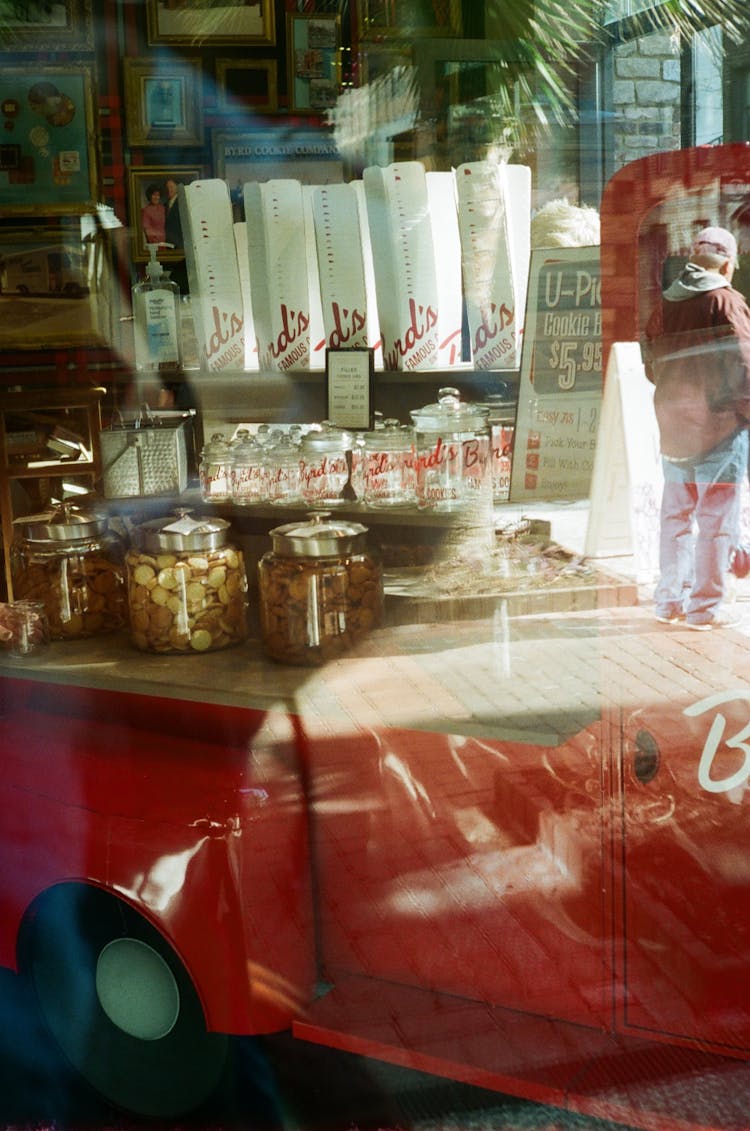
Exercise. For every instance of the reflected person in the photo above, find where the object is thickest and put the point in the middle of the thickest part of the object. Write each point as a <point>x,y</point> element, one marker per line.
<point>697,353</point>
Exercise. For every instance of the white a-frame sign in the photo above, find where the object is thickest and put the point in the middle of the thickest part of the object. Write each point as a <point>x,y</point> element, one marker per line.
<point>627,478</point>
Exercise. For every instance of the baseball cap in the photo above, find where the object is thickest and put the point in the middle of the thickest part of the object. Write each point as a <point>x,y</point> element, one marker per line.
<point>715,241</point>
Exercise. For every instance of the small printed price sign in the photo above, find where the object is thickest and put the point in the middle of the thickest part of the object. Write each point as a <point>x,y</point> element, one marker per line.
<point>349,381</point>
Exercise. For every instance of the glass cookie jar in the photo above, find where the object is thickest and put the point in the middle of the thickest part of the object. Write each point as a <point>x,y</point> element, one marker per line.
<point>321,590</point>
<point>324,465</point>
<point>187,586</point>
<point>69,560</point>
<point>453,456</point>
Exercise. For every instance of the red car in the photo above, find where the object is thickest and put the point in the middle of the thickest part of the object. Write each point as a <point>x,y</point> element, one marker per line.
<point>519,864</point>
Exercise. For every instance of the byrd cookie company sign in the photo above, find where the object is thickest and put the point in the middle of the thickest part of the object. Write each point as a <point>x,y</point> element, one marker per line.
<point>560,387</point>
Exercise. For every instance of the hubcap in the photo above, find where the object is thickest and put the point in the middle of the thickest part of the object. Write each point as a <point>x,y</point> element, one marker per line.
<point>136,989</point>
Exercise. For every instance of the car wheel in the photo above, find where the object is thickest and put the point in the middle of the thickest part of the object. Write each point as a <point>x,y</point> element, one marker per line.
<point>119,1003</point>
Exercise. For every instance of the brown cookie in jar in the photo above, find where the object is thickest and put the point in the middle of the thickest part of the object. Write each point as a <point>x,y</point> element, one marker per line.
<point>321,590</point>
<point>68,559</point>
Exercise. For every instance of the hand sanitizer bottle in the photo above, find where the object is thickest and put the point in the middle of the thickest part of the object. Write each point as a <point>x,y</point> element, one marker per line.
<point>156,319</point>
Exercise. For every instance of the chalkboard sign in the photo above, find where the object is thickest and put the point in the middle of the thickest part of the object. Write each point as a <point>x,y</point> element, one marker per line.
<point>560,386</point>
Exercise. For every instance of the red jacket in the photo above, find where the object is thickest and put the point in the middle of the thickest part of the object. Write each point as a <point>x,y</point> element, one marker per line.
<point>697,353</point>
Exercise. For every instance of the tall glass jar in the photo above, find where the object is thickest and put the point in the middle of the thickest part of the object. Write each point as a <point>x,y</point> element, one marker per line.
<point>246,471</point>
<point>70,560</point>
<point>187,587</point>
<point>502,421</point>
<point>325,463</point>
<point>282,473</point>
<point>215,470</point>
<point>321,590</point>
<point>453,457</point>
<point>388,479</point>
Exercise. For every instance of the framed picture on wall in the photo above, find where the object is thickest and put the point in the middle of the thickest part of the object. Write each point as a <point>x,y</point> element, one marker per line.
<point>404,18</point>
<point>313,62</point>
<point>47,151</point>
<point>63,26</point>
<point>378,61</point>
<point>163,102</point>
<point>201,25</point>
<point>246,86</point>
<point>154,210</point>
<point>309,156</point>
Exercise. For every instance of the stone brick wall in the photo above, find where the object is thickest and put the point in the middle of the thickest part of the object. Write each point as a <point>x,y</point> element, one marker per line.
<point>645,98</point>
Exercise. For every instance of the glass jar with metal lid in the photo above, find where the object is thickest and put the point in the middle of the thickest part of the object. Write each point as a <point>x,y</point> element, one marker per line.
<point>187,586</point>
<point>70,560</point>
<point>321,589</point>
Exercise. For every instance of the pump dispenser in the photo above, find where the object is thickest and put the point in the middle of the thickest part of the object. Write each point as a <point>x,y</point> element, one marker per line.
<point>156,319</point>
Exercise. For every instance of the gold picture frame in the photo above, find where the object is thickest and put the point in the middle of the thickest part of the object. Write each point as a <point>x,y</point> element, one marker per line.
<point>226,21</point>
<point>313,62</point>
<point>48,161</point>
<point>247,86</point>
<point>163,102</point>
<point>396,17</point>
<point>54,288</point>
<point>378,60</point>
<point>141,179</point>
<point>64,26</point>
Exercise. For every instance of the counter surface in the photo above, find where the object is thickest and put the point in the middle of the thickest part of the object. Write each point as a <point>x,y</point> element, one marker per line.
<point>534,679</point>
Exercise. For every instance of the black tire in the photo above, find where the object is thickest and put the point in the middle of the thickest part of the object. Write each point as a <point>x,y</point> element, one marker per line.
<point>119,1003</point>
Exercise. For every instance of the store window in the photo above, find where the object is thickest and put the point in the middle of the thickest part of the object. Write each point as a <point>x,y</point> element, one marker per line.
<point>707,102</point>
<point>421,775</point>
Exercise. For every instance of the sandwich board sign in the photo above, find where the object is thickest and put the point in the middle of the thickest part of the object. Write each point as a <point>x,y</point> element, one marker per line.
<point>627,478</point>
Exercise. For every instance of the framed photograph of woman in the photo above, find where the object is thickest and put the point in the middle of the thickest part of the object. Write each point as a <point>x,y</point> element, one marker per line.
<point>163,102</point>
<point>203,23</point>
<point>65,25</point>
<point>154,209</point>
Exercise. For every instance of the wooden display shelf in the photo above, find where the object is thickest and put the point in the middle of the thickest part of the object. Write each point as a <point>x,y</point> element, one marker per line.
<point>41,414</point>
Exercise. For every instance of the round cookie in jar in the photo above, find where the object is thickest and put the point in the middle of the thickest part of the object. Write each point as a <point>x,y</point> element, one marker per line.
<point>321,590</point>
<point>70,561</point>
<point>187,586</point>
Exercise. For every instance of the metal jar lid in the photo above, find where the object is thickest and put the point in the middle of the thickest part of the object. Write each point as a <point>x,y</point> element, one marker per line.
<point>319,538</point>
<point>66,523</point>
<point>180,532</point>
